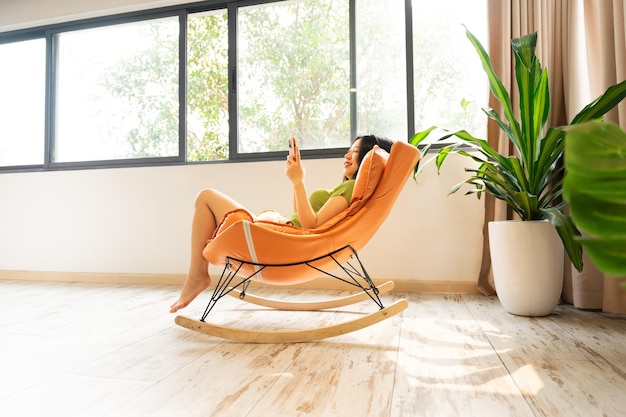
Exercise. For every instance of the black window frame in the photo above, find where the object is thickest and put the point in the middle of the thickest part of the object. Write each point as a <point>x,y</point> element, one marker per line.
<point>182,11</point>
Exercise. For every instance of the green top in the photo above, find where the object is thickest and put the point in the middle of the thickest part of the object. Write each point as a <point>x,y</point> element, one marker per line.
<point>319,197</point>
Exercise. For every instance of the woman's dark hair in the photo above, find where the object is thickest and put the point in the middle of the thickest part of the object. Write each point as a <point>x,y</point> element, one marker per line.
<point>368,142</point>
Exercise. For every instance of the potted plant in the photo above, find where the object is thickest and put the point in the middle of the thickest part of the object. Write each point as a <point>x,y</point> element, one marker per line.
<point>527,255</point>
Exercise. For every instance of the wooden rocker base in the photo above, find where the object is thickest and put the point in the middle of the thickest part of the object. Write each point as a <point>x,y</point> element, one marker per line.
<point>352,272</point>
<point>310,305</point>
<point>291,336</point>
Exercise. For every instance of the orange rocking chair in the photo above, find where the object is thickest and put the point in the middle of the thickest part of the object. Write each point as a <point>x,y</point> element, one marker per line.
<point>279,254</point>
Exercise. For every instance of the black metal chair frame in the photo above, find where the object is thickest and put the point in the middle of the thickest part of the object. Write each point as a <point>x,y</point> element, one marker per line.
<point>355,275</point>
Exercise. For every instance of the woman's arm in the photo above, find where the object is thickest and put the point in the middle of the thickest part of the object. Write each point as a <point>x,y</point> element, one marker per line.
<point>306,215</point>
<point>295,172</point>
<point>332,207</point>
<point>309,219</point>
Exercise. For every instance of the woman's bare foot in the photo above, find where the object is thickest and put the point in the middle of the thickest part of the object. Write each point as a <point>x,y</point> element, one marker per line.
<point>191,289</point>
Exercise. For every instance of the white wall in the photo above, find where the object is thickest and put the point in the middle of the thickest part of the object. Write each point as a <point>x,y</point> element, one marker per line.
<point>136,220</point>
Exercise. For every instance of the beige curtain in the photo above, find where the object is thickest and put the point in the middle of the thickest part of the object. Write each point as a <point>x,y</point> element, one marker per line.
<point>603,45</point>
<point>581,43</point>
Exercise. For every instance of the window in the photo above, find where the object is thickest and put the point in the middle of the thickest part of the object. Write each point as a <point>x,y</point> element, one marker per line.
<point>450,85</point>
<point>22,102</point>
<point>381,89</point>
<point>234,80</point>
<point>207,86</point>
<point>293,75</point>
<point>117,92</point>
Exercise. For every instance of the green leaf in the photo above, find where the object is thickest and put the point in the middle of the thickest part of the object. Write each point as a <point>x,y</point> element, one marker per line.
<point>525,74</point>
<point>497,88</point>
<point>420,136</point>
<point>441,156</point>
<point>597,216</point>
<point>595,189</point>
<point>596,150</point>
<point>471,156</point>
<point>611,190</point>
<point>600,106</point>
<point>595,183</point>
<point>550,150</point>
<point>553,189</point>
<point>504,127</point>
<point>542,103</point>
<point>518,173</point>
<point>416,140</point>
<point>484,147</point>
<point>609,255</point>
<point>541,110</point>
<point>491,177</point>
<point>421,164</point>
<point>568,233</point>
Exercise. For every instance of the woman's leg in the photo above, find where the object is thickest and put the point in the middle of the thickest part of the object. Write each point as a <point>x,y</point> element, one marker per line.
<point>210,208</point>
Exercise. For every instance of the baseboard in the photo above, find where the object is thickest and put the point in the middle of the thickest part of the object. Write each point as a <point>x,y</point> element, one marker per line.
<point>401,285</point>
<point>93,277</point>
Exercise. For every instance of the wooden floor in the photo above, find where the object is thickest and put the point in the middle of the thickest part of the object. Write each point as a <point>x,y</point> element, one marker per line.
<point>106,350</point>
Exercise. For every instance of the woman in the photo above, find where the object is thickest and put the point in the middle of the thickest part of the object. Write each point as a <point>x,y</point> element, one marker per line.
<point>211,207</point>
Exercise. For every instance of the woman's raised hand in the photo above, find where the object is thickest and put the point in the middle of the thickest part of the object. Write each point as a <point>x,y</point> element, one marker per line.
<point>294,168</point>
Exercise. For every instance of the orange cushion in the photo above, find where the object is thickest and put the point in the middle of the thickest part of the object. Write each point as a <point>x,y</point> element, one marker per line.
<point>367,179</point>
<point>370,173</point>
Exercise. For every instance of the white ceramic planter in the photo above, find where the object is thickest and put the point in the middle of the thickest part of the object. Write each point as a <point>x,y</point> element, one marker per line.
<point>527,261</point>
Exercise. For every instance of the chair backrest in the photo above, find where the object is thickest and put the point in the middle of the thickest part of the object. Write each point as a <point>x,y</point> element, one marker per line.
<point>366,215</point>
<point>376,191</point>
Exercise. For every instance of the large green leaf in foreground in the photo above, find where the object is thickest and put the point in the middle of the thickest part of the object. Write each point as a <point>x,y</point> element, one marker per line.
<point>595,189</point>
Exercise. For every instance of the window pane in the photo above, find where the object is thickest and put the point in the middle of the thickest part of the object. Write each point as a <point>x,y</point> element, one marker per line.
<point>117,92</point>
<point>448,72</point>
<point>293,75</point>
<point>207,86</point>
<point>381,68</point>
<point>22,102</point>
